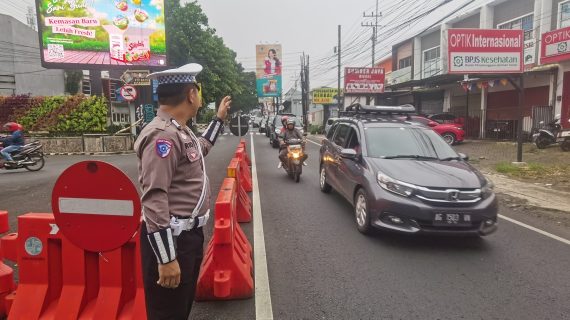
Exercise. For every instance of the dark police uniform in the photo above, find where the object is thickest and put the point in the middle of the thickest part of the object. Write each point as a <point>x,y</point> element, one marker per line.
<point>176,203</point>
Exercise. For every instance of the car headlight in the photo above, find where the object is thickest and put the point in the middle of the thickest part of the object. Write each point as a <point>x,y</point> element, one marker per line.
<point>459,128</point>
<point>487,188</point>
<point>394,186</point>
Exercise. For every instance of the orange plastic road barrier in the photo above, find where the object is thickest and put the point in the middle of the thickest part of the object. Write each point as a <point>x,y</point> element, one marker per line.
<point>244,205</point>
<point>226,272</point>
<point>243,145</point>
<point>58,280</point>
<point>7,285</point>
<point>245,172</point>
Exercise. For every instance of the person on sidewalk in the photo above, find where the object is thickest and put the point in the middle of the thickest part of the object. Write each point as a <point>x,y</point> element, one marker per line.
<point>13,142</point>
<point>175,193</point>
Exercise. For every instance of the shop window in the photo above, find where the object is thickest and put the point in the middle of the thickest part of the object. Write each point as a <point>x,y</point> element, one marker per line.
<point>405,62</point>
<point>432,62</point>
<point>526,23</point>
<point>564,14</point>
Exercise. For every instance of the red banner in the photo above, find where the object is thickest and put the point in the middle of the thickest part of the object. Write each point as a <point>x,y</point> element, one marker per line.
<point>485,51</point>
<point>364,80</point>
<point>555,46</point>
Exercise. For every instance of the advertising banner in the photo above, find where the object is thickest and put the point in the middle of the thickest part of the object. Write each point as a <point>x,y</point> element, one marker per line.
<point>477,51</point>
<point>555,46</point>
<point>101,34</point>
<point>364,80</point>
<point>269,70</point>
<point>325,96</point>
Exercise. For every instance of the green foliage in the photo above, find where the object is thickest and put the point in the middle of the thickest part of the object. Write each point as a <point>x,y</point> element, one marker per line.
<point>190,39</point>
<point>89,116</point>
<point>71,114</point>
<point>206,115</point>
<point>72,81</point>
<point>316,129</point>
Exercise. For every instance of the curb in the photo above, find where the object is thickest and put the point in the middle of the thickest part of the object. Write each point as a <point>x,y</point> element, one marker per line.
<point>88,153</point>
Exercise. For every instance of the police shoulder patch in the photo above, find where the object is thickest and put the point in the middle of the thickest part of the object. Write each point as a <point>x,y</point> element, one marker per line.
<point>163,147</point>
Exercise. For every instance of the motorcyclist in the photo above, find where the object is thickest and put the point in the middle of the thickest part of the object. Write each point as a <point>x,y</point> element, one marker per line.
<point>290,133</point>
<point>13,142</point>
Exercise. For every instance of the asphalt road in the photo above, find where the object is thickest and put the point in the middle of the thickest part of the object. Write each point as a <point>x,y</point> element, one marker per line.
<point>321,267</point>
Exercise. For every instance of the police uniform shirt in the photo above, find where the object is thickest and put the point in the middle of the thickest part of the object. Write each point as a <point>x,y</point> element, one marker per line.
<point>172,177</point>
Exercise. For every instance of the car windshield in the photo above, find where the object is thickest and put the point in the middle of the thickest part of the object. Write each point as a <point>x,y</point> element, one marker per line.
<point>407,142</point>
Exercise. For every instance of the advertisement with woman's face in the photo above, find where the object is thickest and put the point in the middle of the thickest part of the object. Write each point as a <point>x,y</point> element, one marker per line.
<point>269,70</point>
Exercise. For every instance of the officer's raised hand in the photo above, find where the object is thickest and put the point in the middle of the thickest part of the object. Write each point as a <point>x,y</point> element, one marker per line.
<point>225,105</point>
<point>169,275</point>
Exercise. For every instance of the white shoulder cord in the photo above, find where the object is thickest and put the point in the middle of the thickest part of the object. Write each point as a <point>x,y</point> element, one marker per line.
<point>203,194</point>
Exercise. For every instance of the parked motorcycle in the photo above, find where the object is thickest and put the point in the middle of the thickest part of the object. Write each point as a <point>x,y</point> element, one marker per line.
<point>30,157</point>
<point>295,155</point>
<point>547,136</point>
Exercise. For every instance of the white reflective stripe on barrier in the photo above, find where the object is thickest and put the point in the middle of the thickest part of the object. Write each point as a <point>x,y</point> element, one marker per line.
<point>96,206</point>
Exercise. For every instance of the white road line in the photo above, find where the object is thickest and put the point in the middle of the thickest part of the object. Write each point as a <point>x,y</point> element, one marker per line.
<point>263,308</point>
<point>524,225</point>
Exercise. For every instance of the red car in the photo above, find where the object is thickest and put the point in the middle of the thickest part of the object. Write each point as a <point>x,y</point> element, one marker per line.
<point>452,133</point>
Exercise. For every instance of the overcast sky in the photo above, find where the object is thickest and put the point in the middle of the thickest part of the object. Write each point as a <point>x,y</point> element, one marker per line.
<point>298,25</point>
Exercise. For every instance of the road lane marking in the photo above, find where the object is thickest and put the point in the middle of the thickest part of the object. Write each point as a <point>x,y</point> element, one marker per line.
<point>524,225</point>
<point>263,309</point>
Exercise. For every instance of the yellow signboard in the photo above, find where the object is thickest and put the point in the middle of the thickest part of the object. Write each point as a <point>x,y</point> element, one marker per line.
<point>325,96</point>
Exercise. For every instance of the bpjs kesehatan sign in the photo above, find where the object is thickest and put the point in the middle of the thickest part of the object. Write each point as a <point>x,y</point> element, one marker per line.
<point>485,51</point>
<point>555,46</point>
<point>364,80</point>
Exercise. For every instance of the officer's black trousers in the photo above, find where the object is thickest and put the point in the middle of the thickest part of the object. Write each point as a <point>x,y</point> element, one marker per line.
<point>172,304</point>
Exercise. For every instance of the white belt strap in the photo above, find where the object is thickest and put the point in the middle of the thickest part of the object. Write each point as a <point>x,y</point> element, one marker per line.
<point>179,225</point>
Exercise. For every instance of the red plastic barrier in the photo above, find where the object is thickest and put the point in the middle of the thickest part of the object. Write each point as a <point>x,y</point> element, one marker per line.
<point>58,280</point>
<point>227,268</point>
<point>244,206</point>
<point>7,285</point>
<point>245,172</point>
<point>243,145</point>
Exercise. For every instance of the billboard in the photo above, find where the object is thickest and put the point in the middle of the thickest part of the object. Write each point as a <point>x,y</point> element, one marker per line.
<point>325,96</point>
<point>269,70</point>
<point>477,51</point>
<point>364,80</point>
<point>555,46</point>
<point>97,34</point>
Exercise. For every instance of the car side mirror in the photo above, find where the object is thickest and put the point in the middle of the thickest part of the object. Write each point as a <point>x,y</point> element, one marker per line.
<point>349,154</point>
<point>463,156</point>
<point>432,124</point>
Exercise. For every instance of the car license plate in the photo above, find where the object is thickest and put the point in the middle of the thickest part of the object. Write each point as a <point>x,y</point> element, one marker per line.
<point>451,219</point>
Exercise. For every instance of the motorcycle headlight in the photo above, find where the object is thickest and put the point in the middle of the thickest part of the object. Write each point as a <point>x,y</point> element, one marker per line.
<point>389,184</point>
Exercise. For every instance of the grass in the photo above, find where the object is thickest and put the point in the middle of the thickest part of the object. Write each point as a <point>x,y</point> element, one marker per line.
<point>533,170</point>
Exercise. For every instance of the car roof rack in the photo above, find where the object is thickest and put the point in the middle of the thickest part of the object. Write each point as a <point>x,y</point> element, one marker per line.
<point>360,111</point>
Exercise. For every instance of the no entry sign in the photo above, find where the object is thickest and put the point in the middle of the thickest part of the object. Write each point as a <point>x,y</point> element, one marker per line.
<point>96,206</point>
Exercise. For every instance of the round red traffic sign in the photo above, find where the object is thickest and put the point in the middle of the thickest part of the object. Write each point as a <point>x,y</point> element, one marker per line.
<point>129,93</point>
<point>96,206</point>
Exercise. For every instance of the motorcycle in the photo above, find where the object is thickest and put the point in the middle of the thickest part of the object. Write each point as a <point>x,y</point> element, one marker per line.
<point>545,137</point>
<point>295,155</point>
<point>29,157</point>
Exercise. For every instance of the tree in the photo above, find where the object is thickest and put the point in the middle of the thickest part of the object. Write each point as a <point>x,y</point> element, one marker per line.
<point>190,39</point>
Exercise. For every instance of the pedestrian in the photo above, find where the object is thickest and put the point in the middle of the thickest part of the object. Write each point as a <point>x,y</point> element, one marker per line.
<point>175,193</point>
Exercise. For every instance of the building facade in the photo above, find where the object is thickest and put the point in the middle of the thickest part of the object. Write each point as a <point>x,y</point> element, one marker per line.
<point>489,104</point>
<point>21,71</point>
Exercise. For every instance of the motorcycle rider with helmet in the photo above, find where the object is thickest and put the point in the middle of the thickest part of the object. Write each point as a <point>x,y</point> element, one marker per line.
<point>13,142</point>
<point>290,133</point>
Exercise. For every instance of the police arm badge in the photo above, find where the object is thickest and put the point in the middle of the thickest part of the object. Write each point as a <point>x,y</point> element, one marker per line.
<point>163,148</point>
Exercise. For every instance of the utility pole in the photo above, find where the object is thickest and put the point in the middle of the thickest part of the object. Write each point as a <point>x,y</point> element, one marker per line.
<point>303,100</point>
<point>374,25</point>
<point>339,63</point>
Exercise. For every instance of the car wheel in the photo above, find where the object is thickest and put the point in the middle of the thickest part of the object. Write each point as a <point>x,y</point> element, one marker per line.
<point>325,187</point>
<point>361,212</point>
<point>449,138</point>
<point>565,145</point>
<point>275,144</point>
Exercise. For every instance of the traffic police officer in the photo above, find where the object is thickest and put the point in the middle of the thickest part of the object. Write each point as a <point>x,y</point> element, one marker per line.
<point>175,193</point>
